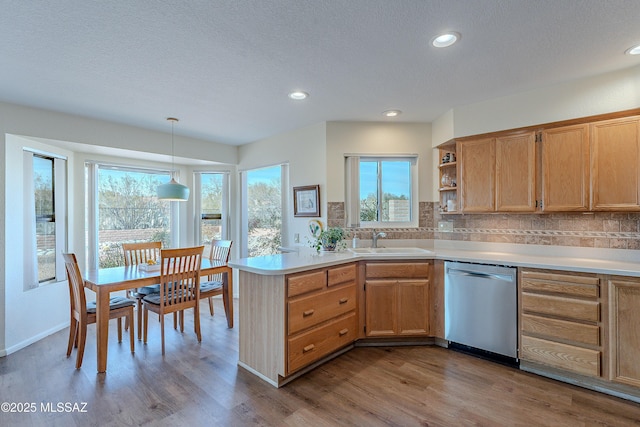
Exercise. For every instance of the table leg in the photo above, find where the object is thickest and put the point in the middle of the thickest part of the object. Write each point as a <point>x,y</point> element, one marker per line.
<point>102,328</point>
<point>228,295</point>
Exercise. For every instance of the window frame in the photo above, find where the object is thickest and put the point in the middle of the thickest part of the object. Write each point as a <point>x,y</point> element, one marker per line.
<point>352,190</point>
<point>225,206</point>
<point>58,218</point>
<point>92,168</point>
<point>286,202</point>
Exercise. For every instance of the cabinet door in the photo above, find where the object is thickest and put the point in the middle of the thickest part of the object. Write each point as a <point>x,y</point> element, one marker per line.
<point>381,307</point>
<point>516,173</point>
<point>477,175</point>
<point>565,168</point>
<point>615,153</point>
<point>413,303</point>
<point>624,322</point>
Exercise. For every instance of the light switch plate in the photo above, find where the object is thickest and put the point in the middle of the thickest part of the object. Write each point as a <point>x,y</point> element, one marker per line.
<point>445,226</point>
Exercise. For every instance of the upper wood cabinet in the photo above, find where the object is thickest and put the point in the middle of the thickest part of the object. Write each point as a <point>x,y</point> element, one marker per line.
<point>516,173</point>
<point>498,174</point>
<point>565,168</point>
<point>615,171</point>
<point>476,159</point>
<point>588,164</point>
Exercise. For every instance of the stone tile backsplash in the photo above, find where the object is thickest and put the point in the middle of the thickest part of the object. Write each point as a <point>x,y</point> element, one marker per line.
<point>597,230</point>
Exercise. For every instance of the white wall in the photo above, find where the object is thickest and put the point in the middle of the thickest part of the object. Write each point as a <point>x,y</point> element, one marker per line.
<point>605,93</point>
<point>377,138</point>
<point>36,313</point>
<point>28,316</point>
<point>580,98</point>
<point>305,152</point>
<point>442,129</point>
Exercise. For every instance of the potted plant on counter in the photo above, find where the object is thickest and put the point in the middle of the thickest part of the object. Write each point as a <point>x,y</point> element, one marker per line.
<point>329,239</point>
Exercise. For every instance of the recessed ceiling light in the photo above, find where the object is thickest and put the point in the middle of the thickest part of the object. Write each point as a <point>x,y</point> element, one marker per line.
<point>633,50</point>
<point>298,95</point>
<point>391,113</point>
<point>446,40</point>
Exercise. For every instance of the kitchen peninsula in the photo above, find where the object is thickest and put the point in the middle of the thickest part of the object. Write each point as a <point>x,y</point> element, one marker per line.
<point>298,310</point>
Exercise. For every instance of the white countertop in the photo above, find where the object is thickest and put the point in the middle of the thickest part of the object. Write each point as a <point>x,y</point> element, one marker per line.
<point>590,260</point>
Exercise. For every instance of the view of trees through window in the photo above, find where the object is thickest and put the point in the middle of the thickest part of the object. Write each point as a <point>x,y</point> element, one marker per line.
<point>211,199</point>
<point>45,218</point>
<point>129,211</point>
<point>392,180</point>
<point>264,206</point>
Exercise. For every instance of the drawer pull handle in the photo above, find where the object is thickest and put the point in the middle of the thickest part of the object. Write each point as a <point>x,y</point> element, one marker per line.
<point>308,348</point>
<point>308,313</point>
<point>343,300</point>
<point>344,331</point>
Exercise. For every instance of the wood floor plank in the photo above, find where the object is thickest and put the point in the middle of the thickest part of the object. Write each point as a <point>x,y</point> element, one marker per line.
<point>200,384</point>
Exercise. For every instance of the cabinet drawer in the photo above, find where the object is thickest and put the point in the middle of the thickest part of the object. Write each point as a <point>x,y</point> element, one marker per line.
<point>563,356</point>
<point>397,270</point>
<point>308,311</point>
<point>561,329</point>
<point>338,275</point>
<point>561,307</point>
<point>313,345</point>
<point>577,286</point>
<point>307,282</point>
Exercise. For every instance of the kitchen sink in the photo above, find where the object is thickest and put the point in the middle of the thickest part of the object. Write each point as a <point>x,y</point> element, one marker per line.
<point>390,251</point>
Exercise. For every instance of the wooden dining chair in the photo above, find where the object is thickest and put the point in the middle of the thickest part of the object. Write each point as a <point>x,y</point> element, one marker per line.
<point>179,288</point>
<point>83,314</point>
<point>214,285</point>
<point>141,253</point>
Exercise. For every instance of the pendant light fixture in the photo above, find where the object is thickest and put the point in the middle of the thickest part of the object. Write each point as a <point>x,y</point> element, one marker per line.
<point>172,190</point>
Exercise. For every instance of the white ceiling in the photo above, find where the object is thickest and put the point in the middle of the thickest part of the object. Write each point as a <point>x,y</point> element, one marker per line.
<point>225,67</point>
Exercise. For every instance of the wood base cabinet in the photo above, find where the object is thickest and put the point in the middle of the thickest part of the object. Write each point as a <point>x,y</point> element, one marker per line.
<point>397,299</point>
<point>624,321</point>
<point>561,321</point>
<point>321,314</point>
<point>289,322</point>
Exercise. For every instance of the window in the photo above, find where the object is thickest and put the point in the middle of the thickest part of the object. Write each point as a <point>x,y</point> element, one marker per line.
<point>45,227</point>
<point>123,207</point>
<point>264,201</point>
<point>381,191</point>
<point>212,206</point>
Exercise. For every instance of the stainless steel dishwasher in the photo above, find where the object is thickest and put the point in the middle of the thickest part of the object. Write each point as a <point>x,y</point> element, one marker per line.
<point>481,308</point>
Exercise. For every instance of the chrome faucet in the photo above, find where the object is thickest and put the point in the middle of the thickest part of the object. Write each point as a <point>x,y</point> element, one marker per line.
<point>374,244</point>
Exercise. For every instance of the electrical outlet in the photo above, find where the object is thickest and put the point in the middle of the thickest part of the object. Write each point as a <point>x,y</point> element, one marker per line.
<point>445,226</point>
<point>296,238</point>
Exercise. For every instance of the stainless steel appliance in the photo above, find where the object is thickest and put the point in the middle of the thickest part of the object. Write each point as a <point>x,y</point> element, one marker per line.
<point>481,307</point>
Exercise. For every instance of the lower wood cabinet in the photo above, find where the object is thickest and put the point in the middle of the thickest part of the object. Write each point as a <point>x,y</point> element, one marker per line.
<point>561,321</point>
<point>397,299</point>
<point>309,346</point>
<point>321,314</point>
<point>624,337</point>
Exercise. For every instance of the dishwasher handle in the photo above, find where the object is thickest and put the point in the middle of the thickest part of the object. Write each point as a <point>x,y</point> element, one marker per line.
<point>472,273</point>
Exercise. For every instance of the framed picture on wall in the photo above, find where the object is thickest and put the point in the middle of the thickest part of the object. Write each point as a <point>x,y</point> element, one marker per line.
<point>306,200</point>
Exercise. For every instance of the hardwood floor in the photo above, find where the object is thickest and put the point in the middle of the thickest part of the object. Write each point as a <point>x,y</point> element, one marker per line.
<point>201,385</point>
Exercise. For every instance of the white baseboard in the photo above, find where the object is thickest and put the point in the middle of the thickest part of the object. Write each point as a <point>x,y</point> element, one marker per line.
<point>31,340</point>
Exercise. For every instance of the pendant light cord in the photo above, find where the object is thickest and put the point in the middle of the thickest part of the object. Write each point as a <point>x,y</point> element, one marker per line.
<point>173,121</point>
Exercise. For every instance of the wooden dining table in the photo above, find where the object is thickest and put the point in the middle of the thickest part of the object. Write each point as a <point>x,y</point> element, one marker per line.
<point>106,280</point>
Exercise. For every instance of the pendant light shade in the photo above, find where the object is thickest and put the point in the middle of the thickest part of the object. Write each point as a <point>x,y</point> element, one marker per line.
<point>173,190</point>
